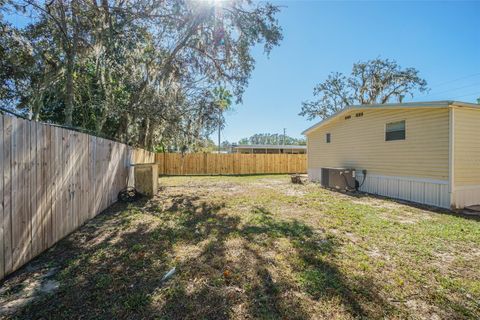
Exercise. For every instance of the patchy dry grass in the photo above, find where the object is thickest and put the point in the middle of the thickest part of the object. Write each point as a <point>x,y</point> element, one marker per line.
<point>258,247</point>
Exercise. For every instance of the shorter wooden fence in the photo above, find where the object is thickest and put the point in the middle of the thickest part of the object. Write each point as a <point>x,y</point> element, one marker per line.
<point>225,164</point>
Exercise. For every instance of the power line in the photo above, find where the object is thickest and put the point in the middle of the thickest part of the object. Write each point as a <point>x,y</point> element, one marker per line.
<point>454,89</point>
<point>449,90</point>
<point>457,79</point>
<point>467,95</point>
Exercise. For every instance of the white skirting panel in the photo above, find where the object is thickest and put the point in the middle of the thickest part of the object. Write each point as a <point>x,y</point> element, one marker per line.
<point>426,191</point>
<point>464,196</point>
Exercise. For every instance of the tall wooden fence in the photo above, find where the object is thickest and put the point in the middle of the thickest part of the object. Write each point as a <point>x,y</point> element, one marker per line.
<point>211,163</point>
<point>52,180</point>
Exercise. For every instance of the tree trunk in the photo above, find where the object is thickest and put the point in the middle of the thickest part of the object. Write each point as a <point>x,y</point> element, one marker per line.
<point>142,135</point>
<point>149,138</point>
<point>122,129</point>
<point>70,53</point>
<point>69,89</point>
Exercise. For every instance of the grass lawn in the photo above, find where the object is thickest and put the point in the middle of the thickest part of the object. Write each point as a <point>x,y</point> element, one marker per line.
<point>258,247</point>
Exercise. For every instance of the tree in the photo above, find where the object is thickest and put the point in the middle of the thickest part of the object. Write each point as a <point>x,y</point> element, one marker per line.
<point>204,145</point>
<point>143,72</point>
<point>271,139</point>
<point>17,67</point>
<point>376,81</point>
<point>223,101</point>
<point>226,145</point>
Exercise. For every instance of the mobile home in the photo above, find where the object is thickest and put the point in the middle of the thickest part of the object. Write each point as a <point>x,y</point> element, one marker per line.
<point>426,152</point>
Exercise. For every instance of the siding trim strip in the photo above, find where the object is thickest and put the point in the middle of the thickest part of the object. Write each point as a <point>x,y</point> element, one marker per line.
<point>451,149</point>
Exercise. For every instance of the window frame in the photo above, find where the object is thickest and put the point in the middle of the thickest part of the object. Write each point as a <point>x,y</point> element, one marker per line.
<point>404,131</point>
<point>328,137</point>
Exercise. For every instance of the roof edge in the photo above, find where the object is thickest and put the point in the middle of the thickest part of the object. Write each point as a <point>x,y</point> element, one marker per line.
<point>426,104</point>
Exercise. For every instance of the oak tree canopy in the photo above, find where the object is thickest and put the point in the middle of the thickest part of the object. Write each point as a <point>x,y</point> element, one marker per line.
<point>144,72</point>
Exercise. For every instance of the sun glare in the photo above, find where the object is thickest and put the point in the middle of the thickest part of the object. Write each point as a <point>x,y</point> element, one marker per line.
<point>212,3</point>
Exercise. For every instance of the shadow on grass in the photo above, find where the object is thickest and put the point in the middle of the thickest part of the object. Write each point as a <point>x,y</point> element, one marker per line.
<point>317,276</point>
<point>113,268</point>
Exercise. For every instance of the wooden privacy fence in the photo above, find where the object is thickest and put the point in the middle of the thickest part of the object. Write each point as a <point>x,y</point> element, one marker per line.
<point>142,156</point>
<point>52,180</point>
<point>212,163</point>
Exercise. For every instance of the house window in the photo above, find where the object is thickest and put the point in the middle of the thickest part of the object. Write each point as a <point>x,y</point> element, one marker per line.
<point>395,131</point>
<point>359,114</point>
<point>327,137</point>
<point>347,117</point>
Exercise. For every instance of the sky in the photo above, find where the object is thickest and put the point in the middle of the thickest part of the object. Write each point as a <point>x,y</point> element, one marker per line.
<point>440,39</point>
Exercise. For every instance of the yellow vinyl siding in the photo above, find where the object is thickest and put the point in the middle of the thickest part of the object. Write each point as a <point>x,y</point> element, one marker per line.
<point>466,147</point>
<point>359,142</point>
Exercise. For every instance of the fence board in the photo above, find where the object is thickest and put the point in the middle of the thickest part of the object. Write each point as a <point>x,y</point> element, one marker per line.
<point>2,257</point>
<point>143,156</point>
<point>29,180</point>
<point>7,198</point>
<point>18,236</point>
<point>53,180</point>
<point>225,164</point>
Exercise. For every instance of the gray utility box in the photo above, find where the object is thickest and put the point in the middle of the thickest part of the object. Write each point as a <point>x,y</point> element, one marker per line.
<point>339,178</point>
<point>146,178</point>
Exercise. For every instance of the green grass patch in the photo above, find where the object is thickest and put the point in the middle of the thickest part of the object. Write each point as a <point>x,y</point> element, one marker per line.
<point>260,247</point>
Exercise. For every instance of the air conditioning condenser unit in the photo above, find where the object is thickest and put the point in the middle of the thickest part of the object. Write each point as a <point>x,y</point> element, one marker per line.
<point>339,178</point>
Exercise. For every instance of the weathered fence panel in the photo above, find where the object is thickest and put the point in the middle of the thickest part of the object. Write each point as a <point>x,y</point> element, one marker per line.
<point>224,164</point>
<point>52,180</point>
<point>143,156</point>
